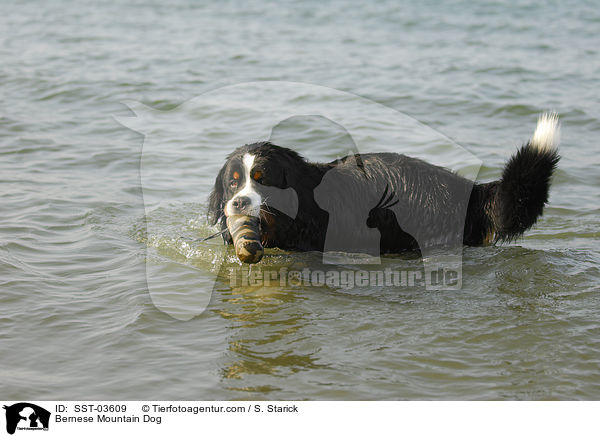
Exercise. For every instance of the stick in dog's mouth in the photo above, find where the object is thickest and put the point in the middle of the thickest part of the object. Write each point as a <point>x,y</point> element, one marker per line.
<point>245,232</point>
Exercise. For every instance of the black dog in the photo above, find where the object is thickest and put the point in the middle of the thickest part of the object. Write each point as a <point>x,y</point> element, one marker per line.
<point>402,202</point>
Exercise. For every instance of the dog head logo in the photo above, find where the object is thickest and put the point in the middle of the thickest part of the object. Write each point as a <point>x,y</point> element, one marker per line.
<point>26,416</point>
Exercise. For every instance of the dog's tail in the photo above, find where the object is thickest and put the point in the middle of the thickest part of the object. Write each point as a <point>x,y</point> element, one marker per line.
<point>502,210</point>
<point>522,192</point>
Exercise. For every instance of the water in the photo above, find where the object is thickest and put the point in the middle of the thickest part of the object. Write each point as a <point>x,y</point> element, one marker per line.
<point>78,320</point>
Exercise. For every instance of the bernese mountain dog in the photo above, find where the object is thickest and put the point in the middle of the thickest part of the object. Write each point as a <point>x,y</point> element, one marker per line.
<point>404,202</point>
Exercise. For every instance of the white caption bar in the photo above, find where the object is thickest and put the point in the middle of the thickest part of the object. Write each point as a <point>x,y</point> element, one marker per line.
<point>248,418</point>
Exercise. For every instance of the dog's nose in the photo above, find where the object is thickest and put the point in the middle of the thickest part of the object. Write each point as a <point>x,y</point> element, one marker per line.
<point>241,202</point>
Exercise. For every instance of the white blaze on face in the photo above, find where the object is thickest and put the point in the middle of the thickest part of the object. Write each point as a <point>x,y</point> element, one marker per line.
<point>248,190</point>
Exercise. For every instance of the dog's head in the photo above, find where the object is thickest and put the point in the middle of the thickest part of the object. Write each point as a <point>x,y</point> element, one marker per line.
<point>259,180</point>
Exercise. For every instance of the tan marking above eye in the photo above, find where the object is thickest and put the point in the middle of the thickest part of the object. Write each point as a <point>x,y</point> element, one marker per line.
<point>236,175</point>
<point>257,175</point>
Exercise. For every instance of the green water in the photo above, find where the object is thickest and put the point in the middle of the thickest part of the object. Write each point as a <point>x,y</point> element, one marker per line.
<point>81,320</point>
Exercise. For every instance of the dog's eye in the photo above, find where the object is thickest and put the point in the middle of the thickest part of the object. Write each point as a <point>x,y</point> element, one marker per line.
<point>257,176</point>
<point>236,175</point>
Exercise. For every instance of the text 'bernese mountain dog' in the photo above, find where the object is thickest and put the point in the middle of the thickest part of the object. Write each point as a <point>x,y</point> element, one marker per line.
<point>269,196</point>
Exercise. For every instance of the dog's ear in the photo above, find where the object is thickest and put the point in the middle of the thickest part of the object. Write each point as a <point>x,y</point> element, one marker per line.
<point>216,201</point>
<point>302,178</point>
<point>292,167</point>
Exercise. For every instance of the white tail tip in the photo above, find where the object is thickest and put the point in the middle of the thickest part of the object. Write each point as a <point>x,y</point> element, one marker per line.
<point>547,133</point>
